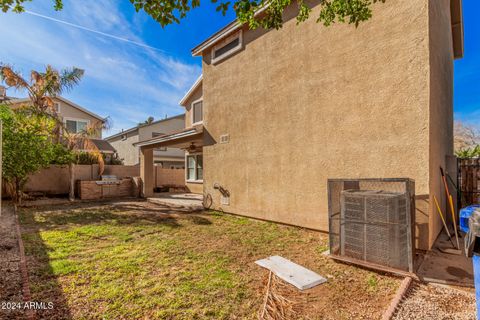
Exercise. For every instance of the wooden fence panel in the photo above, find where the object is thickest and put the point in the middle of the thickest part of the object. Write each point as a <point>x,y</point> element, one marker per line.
<point>468,181</point>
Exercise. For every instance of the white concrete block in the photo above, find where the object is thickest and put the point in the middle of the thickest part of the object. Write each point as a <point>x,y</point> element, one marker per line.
<point>292,273</point>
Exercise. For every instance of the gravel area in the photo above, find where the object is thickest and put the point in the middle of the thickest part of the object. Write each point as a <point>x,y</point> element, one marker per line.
<point>437,302</point>
<point>10,276</point>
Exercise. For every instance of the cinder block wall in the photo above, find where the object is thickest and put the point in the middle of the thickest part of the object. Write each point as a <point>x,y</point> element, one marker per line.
<point>55,180</point>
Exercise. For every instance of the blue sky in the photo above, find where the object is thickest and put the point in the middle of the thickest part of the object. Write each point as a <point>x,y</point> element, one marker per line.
<point>126,82</point>
<point>467,70</point>
<point>129,83</point>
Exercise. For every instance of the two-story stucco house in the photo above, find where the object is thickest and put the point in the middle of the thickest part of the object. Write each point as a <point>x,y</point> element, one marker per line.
<point>124,142</point>
<point>75,118</point>
<point>277,113</point>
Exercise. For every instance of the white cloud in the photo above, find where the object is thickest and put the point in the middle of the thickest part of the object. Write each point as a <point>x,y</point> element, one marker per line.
<point>123,81</point>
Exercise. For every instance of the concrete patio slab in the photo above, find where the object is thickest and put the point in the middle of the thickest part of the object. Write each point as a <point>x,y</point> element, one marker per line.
<point>185,201</point>
<point>444,268</point>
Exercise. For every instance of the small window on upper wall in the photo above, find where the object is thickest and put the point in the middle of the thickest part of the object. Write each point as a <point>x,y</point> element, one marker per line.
<point>227,47</point>
<point>197,112</point>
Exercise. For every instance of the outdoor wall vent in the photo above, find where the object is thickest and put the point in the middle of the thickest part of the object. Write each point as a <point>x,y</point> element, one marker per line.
<point>371,222</point>
<point>225,138</point>
<point>224,200</point>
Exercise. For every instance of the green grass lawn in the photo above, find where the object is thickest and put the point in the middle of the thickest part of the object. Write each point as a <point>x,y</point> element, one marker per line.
<point>131,261</point>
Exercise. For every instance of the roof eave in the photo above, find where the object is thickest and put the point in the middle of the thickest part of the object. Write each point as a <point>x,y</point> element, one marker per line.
<point>457,28</point>
<point>191,91</point>
<point>183,134</point>
<point>222,33</point>
<point>217,36</point>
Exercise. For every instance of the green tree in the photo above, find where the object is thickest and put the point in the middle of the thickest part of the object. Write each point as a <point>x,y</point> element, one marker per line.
<point>265,13</point>
<point>42,89</point>
<point>148,121</point>
<point>27,147</point>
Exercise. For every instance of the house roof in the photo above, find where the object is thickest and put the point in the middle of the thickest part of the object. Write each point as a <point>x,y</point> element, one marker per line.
<point>102,145</point>
<point>76,106</point>
<point>190,91</point>
<point>142,125</point>
<point>117,135</point>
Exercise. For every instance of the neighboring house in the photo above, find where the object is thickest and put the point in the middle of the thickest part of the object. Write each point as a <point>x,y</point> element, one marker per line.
<point>75,118</point>
<point>124,141</point>
<point>279,112</point>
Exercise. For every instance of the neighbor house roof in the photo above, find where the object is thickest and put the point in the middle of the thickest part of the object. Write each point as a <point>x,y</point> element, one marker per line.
<point>121,133</point>
<point>142,125</point>
<point>65,101</point>
<point>102,145</point>
<point>194,87</point>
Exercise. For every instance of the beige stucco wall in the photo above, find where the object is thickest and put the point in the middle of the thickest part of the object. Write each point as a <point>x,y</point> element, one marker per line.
<point>56,179</point>
<point>131,154</point>
<point>68,111</point>
<point>196,95</point>
<point>307,103</point>
<point>125,148</point>
<point>165,127</point>
<point>441,104</point>
<point>195,187</point>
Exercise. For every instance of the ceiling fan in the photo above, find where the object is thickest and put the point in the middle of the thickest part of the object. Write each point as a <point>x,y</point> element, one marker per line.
<point>192,148</point>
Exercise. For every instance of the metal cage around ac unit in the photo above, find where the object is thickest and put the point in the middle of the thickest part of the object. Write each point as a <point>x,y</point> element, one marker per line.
<point>371,221</point>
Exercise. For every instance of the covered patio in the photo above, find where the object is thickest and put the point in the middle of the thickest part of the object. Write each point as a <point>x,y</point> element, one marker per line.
<point>191,140</point>
<point>180,201</point>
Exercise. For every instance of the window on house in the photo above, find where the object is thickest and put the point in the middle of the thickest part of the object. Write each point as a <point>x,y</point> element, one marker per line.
<point>227,47</point>
<point>197,112</point>
<point>195,167</point>
<point>76,126</point>
<point>56,107</point>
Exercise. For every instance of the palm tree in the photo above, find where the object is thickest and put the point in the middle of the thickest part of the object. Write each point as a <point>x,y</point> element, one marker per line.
<point>41,89</point>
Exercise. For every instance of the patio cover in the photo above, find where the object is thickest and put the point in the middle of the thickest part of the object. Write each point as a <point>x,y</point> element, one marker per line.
<point>180,139</point>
